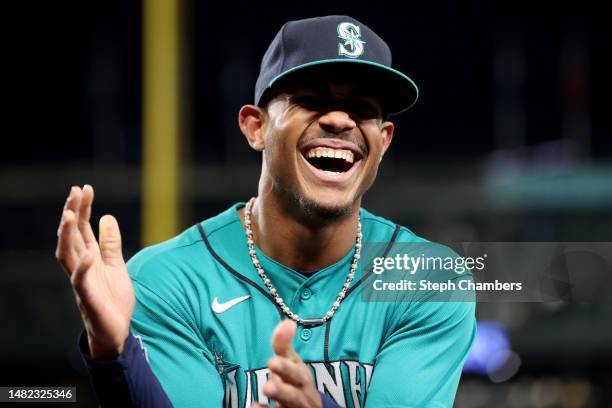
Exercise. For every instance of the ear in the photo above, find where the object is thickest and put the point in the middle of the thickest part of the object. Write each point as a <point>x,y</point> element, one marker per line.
<point>386,131</point>
<point>251,120</point>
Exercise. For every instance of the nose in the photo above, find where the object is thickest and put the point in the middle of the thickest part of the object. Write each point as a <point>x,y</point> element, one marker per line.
<point>336,122</point>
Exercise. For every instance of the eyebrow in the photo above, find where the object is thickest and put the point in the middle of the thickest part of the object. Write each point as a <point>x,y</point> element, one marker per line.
<point>325,90</point>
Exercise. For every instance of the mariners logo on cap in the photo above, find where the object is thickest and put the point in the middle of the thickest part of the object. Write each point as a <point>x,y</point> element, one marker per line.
<point>351,45</point>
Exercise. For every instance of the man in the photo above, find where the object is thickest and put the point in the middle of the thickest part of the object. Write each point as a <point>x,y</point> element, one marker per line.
<point>286,263</point>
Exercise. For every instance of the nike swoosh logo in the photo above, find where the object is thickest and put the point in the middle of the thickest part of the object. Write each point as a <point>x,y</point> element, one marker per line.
<point>222,307</point>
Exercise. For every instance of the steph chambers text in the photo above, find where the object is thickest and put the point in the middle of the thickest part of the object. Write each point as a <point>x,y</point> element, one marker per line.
<point>450,285</point>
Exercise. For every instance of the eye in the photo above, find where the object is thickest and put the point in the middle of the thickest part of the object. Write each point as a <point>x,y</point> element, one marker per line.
<point>310,102</point>
<point>364,109</point>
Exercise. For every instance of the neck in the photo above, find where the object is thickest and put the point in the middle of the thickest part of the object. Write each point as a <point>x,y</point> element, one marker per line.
<point>297,243</point>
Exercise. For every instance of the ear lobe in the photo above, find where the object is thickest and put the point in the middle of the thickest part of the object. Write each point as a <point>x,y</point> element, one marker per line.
<point>251,120</point>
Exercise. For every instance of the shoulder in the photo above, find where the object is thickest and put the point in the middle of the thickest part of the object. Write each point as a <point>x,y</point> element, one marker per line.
<point>380,229</point>
<point>379,232</point>
<point>159,253</point>
<point>179,252</point>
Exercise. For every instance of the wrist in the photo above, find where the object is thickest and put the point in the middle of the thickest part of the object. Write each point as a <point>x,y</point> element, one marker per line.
<point>105,350</point>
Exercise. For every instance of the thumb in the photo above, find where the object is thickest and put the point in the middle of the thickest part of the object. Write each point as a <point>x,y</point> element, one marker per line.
<point>110,241</point>
<point>283,337</point>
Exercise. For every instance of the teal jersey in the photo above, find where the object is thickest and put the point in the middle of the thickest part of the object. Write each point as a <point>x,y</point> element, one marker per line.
<point>205,319</point>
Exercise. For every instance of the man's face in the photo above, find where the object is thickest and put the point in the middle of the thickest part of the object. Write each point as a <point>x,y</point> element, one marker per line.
<point>322,143</point>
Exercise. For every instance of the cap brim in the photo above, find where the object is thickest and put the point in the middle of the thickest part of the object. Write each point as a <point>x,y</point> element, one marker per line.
<point>396,90</point>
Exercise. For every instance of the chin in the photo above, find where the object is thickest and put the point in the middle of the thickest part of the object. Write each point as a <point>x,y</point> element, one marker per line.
<point>326,211</point>
<point>320,208</point>
<point>325,207</point>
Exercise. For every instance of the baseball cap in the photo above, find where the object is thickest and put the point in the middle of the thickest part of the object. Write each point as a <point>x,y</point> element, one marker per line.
<point>329,41</point>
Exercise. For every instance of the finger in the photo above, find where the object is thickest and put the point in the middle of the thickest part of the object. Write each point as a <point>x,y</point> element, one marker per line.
<point>65,253</point>
<point>110,241</point>
<point>257,405</point>
<point>84,215</point>
<point>283,393</point>
<point>282,339</point>
<point>72,204</point>
<point>290,372</point>
<point>78,278</point>
<point>74,199</point>
<point>70,194</point>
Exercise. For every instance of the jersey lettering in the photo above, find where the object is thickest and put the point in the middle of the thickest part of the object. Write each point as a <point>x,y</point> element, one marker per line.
<point>345,381</point>
<point>262,378</point>
<point>231,389</point>
<point>354,383</point>
<point>326,383</point>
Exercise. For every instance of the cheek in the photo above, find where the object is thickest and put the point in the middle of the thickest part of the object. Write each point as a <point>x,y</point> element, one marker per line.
<point>279,152</point>
<point>272,151</point>
<point>284,134</point>
<point>374,140</point>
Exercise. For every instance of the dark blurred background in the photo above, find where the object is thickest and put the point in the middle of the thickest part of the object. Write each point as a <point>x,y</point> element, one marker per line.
<point>509,141</point>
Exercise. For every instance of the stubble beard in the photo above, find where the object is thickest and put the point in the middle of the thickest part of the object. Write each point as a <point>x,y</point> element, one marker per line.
<point>309,210</point>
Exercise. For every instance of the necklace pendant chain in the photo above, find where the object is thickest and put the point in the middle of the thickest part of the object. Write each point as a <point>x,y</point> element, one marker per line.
<point>272,290</point>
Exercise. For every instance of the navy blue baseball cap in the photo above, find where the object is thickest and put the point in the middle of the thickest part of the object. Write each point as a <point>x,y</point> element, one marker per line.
<point>329,41</point>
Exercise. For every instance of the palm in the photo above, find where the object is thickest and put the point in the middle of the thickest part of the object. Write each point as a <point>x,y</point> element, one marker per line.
<point>98,274</point>
<point>106,301</point>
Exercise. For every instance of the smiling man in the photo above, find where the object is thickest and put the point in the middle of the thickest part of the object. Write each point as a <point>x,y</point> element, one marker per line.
<point>262,302</point>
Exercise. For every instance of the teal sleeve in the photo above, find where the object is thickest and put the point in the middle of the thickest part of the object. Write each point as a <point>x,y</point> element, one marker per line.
<point>175,350</point>
<point>420,361</point>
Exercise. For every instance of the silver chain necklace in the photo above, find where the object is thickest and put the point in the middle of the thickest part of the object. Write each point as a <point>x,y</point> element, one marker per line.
<point>279,300</point>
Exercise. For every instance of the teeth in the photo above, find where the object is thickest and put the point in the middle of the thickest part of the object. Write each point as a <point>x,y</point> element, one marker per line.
<point>345,155</point>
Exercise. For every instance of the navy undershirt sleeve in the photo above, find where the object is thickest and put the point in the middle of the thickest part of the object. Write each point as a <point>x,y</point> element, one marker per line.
<point>128,381</point>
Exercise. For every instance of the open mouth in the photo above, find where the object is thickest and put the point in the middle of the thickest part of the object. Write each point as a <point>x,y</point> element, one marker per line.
<point>331,160</point>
